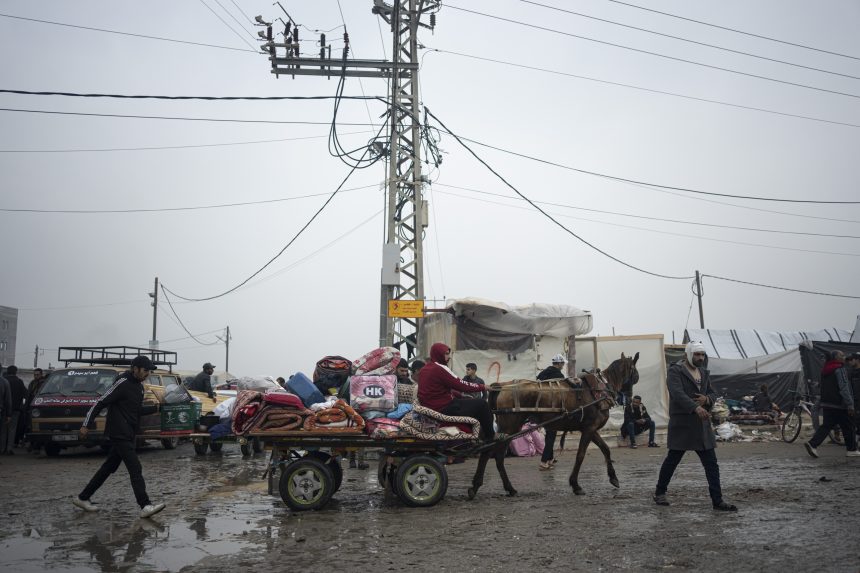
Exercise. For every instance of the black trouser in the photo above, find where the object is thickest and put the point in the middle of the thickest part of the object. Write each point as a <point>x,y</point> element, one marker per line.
<point>548,446</point>
<point>121,451</point>
<point>709,462</point>
<point>473,408</point>
<point>833,418</point>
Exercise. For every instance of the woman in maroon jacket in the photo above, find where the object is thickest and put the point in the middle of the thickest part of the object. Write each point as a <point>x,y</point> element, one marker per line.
<point>437,387</point>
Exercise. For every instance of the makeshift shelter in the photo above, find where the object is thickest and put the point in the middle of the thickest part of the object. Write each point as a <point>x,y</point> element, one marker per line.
<point>506,342</point>
<point>747,343</point>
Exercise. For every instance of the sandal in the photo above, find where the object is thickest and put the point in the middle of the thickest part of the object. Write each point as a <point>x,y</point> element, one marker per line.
<point>544,466</point>
<point>723,506</point>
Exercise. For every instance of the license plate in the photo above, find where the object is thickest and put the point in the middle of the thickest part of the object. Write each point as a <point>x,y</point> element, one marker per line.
<point>64,437</point>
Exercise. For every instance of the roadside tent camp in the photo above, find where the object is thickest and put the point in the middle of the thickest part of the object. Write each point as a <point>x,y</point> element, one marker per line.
<point>747,343</point>
<point>506,342</point>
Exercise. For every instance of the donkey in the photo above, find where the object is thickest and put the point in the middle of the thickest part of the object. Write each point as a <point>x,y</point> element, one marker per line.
<point>520,400</point>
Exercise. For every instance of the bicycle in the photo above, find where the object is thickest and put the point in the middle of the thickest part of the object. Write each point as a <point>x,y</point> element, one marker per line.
<point>793,420</point>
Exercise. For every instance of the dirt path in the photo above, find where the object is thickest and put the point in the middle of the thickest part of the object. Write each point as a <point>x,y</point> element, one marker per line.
<point>795,512</point>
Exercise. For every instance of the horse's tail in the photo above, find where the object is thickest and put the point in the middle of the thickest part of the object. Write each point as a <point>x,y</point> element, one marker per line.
<point>561,442</point>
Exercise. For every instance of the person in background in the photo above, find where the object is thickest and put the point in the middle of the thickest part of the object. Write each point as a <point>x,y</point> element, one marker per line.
<point>837,402</point>
<point>763,403</point>
<point>19,400</point>
<point>690,399</point>
<point>203,381</point>
<point>472,376</point>
<point>852,363</point>
<point>415,368</point>
<point>33,388</point>
<point>403,372</point>
<point>124,401</point>
<point>281,382</point>
<point>637,420</point>
<point>5,410</point>
<point>552,372</point>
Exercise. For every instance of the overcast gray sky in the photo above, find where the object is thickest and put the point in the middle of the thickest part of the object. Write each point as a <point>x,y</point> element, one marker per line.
<point>83,279</point>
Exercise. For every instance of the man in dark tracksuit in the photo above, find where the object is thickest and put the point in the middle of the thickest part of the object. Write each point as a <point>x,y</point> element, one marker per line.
<point>837,403</point>
<point>691,398</point>
<point>124,401</point>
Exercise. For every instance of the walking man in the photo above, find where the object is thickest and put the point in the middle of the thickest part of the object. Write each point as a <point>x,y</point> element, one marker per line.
<point>19,398</point>
<point>553,372</point>
<point>837,403</point>
<point>124,401</point>
<point>5,411</point>
<point>690,401</point>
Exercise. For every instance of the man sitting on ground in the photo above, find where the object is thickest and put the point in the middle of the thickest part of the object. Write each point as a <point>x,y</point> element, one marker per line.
<point>636,421</point>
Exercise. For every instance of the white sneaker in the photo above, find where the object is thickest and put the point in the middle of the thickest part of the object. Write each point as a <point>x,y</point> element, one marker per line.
<point>852,454</point>
<point>810,450</point>
<point>84,504</point>
<point>151,509</point>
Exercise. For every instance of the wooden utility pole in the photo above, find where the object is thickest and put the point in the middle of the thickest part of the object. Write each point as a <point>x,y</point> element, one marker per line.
<point>699,296</point>
<point>153,342</point>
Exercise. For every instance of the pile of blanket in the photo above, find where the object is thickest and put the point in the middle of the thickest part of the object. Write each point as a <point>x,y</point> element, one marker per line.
<point>338,417</point>
<point>271,412</point>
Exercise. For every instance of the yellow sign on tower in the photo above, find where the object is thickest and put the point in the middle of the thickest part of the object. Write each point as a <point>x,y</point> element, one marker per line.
<point>406,309</point>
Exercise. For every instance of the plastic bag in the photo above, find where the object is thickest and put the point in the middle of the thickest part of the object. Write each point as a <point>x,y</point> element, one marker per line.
<point>176,394</point>
<point>257,383</point>
<point>728,431</point>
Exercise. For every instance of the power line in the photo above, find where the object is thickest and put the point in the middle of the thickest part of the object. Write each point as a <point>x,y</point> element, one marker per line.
<point>281,252</point>
<point>657,54</point>
<point>781,288</point>
<point>178,118</point>
<point>240,24</point>
<point>644,89</point>
<point>229,27</point>
<point>163,147</point>
<point>188,332</point>
<point>689,40</point>
<point>242,11</point>
<point>169,209</point>
<point>127,33</point>
<point>544,213</point>
<point>653,185</point>
<point>735,30</point>
<point>660,219</point>
<point>205,98</point>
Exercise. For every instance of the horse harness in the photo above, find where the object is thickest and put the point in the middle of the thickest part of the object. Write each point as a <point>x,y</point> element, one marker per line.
<point>551,389</point>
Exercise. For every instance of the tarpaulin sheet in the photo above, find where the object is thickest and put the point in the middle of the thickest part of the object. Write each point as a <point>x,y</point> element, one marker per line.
<point>747,343</point>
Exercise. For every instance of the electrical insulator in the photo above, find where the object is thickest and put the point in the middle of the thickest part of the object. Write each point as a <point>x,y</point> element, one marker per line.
<point>269,33</point>
<point>433,20</point>
<point>322,40</point>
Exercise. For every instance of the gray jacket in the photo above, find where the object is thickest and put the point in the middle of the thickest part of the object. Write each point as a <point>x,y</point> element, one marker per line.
<point>686,430</point>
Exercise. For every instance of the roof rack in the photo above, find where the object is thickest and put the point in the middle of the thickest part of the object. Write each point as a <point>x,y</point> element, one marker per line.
<point>113,355</point>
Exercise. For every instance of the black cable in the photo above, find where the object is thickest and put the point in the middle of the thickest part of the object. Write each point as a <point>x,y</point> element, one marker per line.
<point>662,220</point>
<point>127,34</point>
<point>281,252</point>
<point>736,30</point>
<point>242,11</point>
<point>168,209</point>
<point>208,7</point>
<point>240,24</point>
<point>688,40</point>
<point>206,98</point>
<point>781,288</point>
<point>175,118</point>
<point>640,88</point>
<point>654,185</point>
<point>544,213</point>
<point>659,55</point>
<point>188,332</point>
<point>163,147</point>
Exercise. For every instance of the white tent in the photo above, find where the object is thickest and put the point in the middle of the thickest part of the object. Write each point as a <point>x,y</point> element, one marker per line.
<point>746,343</point>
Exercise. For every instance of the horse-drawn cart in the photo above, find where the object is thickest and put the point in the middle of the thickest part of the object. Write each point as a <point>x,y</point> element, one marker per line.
<point>310,472</point>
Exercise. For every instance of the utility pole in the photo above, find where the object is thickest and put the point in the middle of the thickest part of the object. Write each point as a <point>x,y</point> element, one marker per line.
<point>226,341</point>
<point>699,295</point>
<point>403,255</point>
<point>36,358</point>
<point>153,342</point>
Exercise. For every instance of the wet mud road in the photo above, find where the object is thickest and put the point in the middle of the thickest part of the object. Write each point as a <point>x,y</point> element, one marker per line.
<point>795,512</point>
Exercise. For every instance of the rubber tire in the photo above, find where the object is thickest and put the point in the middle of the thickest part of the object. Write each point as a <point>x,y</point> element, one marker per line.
<point>216,446</point>
<point>245,449</point>
<point>791,427</point>
<point>52,450</point>
<point>169,443</point>
<point>332,464</point>
<point>421,481</point>
<point>306,484</point>
<point>257,445</point>
<point>200,449</point>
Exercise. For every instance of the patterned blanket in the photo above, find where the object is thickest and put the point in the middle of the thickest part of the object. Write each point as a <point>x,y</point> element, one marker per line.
<point>340,418</point>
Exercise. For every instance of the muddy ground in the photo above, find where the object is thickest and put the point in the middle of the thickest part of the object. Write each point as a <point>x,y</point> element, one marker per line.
<point>795,512</point>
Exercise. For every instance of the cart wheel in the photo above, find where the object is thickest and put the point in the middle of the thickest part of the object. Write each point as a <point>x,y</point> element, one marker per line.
<point>216,446</point>
<point>306,484</point>
<point>257,445</point>
<point>169,443</point>
<point>333,464</point>
<point>791,426</point>
<point>421,481</point>
<point>200,449</point>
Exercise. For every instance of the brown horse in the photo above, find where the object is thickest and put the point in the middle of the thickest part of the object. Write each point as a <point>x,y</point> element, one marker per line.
<point>520,400</point>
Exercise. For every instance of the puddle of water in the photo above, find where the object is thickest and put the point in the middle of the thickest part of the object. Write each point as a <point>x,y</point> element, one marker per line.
<point>26,555</point>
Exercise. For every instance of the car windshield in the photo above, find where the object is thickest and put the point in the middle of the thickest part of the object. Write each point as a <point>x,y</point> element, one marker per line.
<point>87,381</point>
